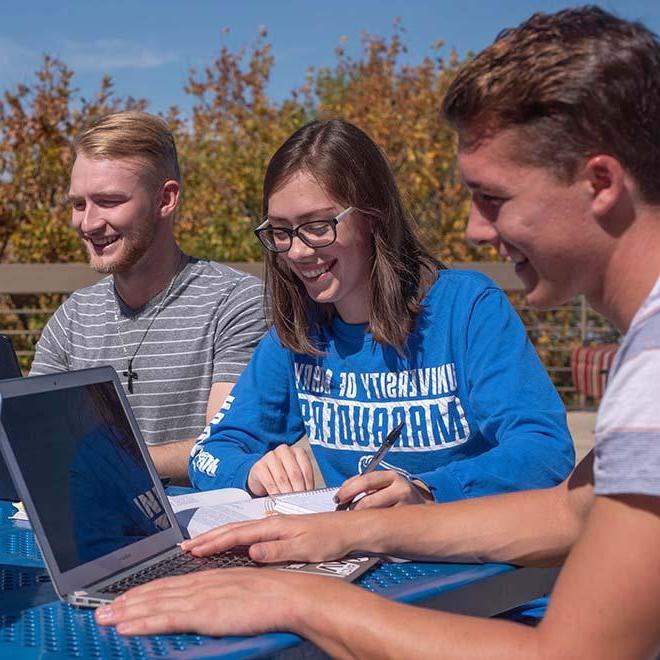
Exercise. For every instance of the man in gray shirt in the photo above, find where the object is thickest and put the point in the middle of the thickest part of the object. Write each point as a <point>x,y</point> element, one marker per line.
<point>178,330</point>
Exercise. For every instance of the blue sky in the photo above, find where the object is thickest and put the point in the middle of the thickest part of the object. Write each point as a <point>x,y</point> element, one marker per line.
<point>149,46</point>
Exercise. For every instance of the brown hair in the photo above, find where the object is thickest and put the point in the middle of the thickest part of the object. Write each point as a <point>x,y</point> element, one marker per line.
<point>573,84</point>
<point>353,171</point>
<point>136,136</point>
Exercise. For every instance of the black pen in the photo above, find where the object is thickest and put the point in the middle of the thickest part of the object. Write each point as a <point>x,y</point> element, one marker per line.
<point>377,458</point>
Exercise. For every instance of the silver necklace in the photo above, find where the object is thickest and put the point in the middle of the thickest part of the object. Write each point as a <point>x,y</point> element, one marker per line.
<point>130,374</point>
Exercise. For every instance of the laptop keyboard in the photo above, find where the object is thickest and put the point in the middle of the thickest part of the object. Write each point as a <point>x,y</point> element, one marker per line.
<point>180,565</point>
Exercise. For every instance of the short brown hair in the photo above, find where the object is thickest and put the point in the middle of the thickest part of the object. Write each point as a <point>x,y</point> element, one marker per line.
<point>573,84</point>
<point>131,135</point>
<point>353,171</point>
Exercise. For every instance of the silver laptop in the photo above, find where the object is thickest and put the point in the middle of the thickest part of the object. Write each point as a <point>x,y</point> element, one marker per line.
<point>97,507</point>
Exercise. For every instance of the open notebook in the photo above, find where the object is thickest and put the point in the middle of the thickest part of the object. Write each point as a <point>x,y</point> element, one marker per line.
<point>201,511</point>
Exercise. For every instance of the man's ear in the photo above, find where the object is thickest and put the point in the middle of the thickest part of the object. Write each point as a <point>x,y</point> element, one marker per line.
<point>169,198</point>
<point>606,177</point>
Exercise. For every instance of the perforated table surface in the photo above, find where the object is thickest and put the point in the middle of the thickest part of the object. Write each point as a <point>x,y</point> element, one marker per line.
<point>33,623</point>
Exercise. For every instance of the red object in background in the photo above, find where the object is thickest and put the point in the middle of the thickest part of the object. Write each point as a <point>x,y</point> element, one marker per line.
<point>590,366</point>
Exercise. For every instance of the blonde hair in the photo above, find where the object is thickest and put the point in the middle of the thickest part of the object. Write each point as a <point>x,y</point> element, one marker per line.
<point>136,136</point>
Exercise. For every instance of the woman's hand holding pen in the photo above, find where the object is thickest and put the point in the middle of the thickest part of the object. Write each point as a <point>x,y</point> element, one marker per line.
<point>285,469</point>
<point>383,488</point>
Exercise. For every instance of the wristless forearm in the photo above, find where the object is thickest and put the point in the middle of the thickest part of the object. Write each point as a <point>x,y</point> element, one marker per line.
<point>505,528</point>
<point>399,531</point>
<point>348,622</point>
<point>171,460</point>
<point>345,622</point>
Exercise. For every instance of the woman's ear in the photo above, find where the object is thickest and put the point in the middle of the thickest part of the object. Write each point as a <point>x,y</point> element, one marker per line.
<point>607,180</point>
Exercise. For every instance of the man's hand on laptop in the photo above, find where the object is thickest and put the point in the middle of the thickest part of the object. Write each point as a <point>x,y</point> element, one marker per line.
<point>316,537</point>
<point>236,601</point>
<point>285,469</point>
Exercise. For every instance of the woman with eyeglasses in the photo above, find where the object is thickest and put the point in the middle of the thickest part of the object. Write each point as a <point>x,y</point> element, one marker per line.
<point>369,330</point>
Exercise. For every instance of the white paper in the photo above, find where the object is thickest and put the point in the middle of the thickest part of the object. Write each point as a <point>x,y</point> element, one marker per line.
<point>207,498</point>
<point>20,513</point>
<point>200,512</point>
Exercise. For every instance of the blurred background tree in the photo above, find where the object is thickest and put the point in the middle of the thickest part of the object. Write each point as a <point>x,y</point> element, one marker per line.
<point>234,130</point>
<point>399,106</point>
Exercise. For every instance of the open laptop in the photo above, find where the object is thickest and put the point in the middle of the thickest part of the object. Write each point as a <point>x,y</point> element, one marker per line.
<point>9,368</point>
<point>97,507</point>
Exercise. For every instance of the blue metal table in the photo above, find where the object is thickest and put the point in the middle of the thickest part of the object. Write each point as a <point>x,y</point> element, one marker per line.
<point>34,624</point>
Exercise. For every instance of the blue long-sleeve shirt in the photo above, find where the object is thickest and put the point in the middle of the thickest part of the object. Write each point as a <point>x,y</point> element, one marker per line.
<point>481,415</point>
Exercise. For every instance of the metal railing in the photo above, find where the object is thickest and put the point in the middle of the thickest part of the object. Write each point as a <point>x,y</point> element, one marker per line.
<point>30,293</point>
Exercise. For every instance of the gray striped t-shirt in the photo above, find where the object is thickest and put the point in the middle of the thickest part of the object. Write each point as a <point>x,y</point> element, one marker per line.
<point>627,448</point>
<point>205,333</point>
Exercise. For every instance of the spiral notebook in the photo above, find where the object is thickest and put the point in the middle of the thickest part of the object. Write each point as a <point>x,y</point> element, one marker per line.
<point>308,501</point>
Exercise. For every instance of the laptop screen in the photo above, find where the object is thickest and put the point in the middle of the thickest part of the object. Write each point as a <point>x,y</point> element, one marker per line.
<point>84,470</point>
<point>8,362</point>
<point>8,369</point>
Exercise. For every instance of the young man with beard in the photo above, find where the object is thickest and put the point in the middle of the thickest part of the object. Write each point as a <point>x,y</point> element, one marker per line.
<point>177,329</point>
<point>559,143</point>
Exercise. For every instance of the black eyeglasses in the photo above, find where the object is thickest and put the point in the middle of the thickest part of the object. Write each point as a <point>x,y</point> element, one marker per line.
<point>314,234</point>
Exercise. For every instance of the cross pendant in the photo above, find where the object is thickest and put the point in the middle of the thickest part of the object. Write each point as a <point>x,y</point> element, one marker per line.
<point>131,375</point>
